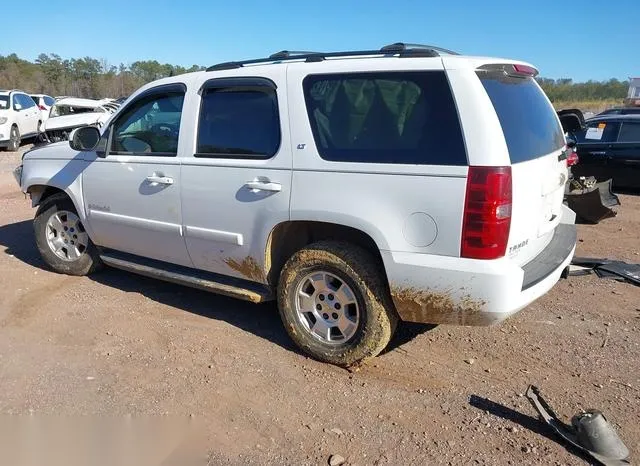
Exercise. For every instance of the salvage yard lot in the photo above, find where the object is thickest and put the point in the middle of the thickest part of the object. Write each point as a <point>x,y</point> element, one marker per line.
<point>115,343</point>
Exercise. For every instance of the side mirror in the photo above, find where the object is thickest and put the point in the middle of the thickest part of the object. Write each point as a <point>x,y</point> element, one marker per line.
<point>85,138</point>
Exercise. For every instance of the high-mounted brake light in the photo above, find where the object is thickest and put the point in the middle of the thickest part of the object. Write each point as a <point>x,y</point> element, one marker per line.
<point>487,213</point>
<point>525,70</point>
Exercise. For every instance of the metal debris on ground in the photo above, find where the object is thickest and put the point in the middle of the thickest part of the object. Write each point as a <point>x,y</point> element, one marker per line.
<point>589,431</point>
<point>591,201</point>
<point>605,268</point>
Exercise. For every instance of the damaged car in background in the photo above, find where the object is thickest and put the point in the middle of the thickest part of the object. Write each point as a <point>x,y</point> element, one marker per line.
<point>70,113</point>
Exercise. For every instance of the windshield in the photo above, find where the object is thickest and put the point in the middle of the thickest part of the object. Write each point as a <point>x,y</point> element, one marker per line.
<point>4,102</point>
<point>62,110</point>
<point>529,122</point>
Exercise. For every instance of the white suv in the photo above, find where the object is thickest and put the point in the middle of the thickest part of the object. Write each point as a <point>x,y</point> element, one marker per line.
<point>356,188</point>
<point>20,118</point>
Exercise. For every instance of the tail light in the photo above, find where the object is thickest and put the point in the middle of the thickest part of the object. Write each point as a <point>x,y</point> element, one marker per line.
<point>42,107</point>
<point>487,213</point>
<point>572,158</point>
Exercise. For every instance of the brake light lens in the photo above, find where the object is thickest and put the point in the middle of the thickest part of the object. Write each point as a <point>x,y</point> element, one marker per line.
<point>525,70</point>
<point>572,158</point>
<point>487,213</point>
<point>42,107</point>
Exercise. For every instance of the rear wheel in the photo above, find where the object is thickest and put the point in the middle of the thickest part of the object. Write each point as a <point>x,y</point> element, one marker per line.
<point>61,238</point>
<point>334,303</point>
<point>14,139</point>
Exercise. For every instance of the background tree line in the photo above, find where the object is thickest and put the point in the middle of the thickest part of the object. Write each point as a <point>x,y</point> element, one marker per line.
<point>81,77</point>
<point>93,78</point>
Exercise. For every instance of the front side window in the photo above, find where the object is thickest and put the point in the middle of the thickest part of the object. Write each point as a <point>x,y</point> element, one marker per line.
<point>239,122</point>
<point>150,126</point>
<point>598,132</point>
<point>385,117</point>
<point>26,101</point>
<point>629,132</point>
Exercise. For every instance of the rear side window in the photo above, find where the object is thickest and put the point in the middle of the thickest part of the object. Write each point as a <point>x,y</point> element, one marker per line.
<point>529,122</point>
<point>385,117</point>
<point>239,122</point>
<point>629,132</point>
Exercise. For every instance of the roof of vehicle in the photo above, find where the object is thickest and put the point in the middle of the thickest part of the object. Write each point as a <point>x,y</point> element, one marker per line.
<point>9,91</point>
<point>410,55</point>
<point>615,116</point>
<point>80,102</point>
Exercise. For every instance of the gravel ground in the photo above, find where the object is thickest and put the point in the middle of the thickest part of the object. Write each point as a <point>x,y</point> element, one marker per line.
<point>116,344</point>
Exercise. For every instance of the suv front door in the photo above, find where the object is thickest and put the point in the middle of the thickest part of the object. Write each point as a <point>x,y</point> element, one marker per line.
<point>236,186</point>
<point>132,183</point>
<point>594,149</point>
<point>27,112</point>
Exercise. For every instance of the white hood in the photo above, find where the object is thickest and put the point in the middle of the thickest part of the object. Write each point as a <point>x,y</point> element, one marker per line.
<point>74,121</point>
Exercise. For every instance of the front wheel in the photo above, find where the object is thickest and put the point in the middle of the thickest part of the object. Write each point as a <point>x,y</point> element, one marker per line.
<point>335,304</point>
<point>61,238</point>
<point>14,139</point>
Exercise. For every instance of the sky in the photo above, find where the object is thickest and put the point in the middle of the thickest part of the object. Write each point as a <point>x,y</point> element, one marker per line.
<point>579,40</point>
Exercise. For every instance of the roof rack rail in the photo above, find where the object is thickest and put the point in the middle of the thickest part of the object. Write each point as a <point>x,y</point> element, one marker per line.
<point>399,48</point>
<point>404,47</point>
<point>288,54</point>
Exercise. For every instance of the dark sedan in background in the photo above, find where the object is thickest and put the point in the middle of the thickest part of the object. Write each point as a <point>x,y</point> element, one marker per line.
<point>609,148</point>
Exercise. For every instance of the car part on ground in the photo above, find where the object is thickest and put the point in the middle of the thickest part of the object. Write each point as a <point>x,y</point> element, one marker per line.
<point>589,431</point>
<point>605,268</point>
<point>591,201</point>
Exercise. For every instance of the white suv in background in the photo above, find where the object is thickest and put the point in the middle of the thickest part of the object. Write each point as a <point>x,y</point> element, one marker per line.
<point>44,103</point>
<point>20,118</point>
<point>355,188</point>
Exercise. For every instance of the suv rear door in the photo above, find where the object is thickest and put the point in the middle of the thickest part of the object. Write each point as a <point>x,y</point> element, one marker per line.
<point>535,144</point>
<point>236,181</point>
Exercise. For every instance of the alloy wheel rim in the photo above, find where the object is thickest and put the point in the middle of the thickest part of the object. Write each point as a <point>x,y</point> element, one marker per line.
<point>66,236</point>
<point>327,307</point>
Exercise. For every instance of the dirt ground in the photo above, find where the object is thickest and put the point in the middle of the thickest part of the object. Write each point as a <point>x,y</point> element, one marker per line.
<point>115,344</point>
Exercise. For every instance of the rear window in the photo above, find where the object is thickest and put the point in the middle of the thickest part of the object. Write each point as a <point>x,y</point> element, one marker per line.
<point>385,117</point>
<point>35,98</point>
<point>49,101</point>
<point>529,122</point>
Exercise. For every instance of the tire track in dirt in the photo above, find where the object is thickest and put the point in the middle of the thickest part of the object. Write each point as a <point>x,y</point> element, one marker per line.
<point>28,304</point>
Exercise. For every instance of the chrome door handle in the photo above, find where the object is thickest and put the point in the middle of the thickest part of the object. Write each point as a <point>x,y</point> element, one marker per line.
<point>599,153</point>
<point>156,180</point>
<point>257,185</point>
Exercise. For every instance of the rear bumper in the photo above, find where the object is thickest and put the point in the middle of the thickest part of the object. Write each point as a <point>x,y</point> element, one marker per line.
<point>453,290</point>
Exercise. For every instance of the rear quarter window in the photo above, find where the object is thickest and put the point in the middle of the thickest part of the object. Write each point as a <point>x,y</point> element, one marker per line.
<point>385,117</point>
<point>529,122</point>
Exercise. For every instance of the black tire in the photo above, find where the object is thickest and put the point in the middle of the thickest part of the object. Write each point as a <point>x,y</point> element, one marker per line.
<point>88,261</point>
<point>361,272</point>
<point>14,139</point>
